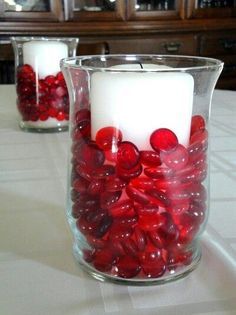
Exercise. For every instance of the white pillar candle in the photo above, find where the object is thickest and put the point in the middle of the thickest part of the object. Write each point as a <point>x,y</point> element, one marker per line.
<point>44,56</point>
<point>140,102</point>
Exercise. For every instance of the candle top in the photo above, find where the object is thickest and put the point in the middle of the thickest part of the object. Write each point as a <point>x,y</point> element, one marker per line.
<point>140,66</point>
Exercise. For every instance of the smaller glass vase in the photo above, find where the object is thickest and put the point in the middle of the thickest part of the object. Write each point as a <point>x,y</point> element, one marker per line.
<point>42,96</point>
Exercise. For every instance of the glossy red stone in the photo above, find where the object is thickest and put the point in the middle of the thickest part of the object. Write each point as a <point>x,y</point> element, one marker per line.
<point>150,221</point>
<point>103,260</point>
<point>137,195</point>
<point>176,159</point>
<point>108,198</point>
<point>150,158</point>
<point>158,172</point>
<point>197,123</point>
<point>142,183</point>
<point>122,208</point>
<point>108,137</point>
<point>163,139</point>
<point>127,155</point>
<point>114,183</point>
<point>126,174</point>
<point>128,267</point>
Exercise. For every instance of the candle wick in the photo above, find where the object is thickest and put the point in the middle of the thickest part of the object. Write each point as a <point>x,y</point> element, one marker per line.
<point>141,65</point>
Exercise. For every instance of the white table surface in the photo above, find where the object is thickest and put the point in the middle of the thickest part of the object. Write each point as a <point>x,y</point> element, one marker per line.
<point>38,274</point>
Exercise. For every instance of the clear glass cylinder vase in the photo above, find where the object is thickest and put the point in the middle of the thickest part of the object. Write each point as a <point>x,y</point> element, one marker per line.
<point>138,172</point>
<point>42,95</point>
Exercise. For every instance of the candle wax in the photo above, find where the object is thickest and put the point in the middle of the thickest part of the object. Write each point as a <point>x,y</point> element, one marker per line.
<point>140,102</point>
<point>44,56</point>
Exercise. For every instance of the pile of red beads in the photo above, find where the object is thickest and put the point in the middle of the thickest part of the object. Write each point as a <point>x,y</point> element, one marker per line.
<point>139,211</point>
<point>41,99</point>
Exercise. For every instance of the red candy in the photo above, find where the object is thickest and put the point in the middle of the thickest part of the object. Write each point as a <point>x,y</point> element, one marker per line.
<point>139,210</point>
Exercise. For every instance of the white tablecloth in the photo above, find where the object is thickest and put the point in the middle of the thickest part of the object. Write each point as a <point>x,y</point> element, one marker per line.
<point>38,274</point>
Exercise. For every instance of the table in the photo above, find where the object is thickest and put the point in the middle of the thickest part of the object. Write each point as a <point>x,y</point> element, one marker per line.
<point>38,274</point>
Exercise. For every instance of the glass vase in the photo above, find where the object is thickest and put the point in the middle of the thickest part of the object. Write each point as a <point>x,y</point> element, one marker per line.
<point>138,172</point>
<point>42,96</point>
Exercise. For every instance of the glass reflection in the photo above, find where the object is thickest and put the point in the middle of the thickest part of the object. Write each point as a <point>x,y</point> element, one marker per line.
<point>94,6</point>
<point>26,5</point>
<point>154,5</point>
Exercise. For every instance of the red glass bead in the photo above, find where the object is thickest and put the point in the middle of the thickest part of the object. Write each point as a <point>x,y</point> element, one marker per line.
<point>200,136</point>
<point>179,207</point>
<point>129,174</point>
<point>128,267</point>
<point>142,183</point>
<point>103,226</point>
<point>143,209</point>
<point>164,184</point>
<point>85,226</point>
<point>83,114</point>
<point>139,238</point>
<point>103,172</point>
<point>103,260</point>
<point>121,208</point>
<point>90,155</point>
<point>163,139</point>
<point>130,247</point>
<point>127,155</point>
<point>154,269</point>
<point>158,172</point>
<point>80,184</point>
<point>49,80</point>
<point>159,197</point>
<point>197,123</point>
<point>108,198</point>
<point>137,195</point>
<point>197,192</point>
<point>83,129</point>
<point>150,221</point>
<point>97,243</point>
<point>176,159</point>
<point>119,231</point>
<point>150,158</point>
<point>115,183</point>
<point>108,137</point>
<point>95,187</point>
<point>88,255</point>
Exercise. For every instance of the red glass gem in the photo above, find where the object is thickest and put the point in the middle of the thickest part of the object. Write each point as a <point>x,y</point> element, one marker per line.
<point>83,114</point>
<point>127,155</point>
<point>103,260</point>
<point>90,155</point>
<point>115,183</point>
<point>198,123</point>
<point>139,238</point>
<point>176,159</point>
<point>121,208</point>
<point>158,172</point>
<point>95,187</point>
<point>108,137</point>
<point>128,267</point>
<point>108,198</point>
<point>119,231</point>
<point>137,195</point>
<point>154,269</point>
<point>142,183</point>
<point>159,197</point>
<point>150,221</point>
<point>129,174</point>
<point>163,139</point>
<point>150,158</point>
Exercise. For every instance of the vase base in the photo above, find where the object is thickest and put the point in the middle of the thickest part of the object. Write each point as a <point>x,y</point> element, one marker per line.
<point>105,277</point>
<point>43,127</point>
